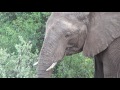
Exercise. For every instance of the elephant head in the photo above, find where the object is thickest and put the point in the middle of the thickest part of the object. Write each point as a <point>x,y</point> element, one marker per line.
<point>68,33</point>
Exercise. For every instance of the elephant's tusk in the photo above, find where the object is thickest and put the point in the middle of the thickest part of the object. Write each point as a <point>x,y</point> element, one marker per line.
<point>52,66</point>
<point>35,64</point>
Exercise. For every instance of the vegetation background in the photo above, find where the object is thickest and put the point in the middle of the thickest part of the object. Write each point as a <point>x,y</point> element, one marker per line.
<point>21,38</point>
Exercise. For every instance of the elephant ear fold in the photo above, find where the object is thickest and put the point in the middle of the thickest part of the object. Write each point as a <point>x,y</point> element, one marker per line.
<point>102,30</point>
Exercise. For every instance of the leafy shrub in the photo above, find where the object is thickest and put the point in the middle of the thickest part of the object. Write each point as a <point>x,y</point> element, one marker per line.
<point>29,25</point>
<point>18,65</point>
<point>75,66</point>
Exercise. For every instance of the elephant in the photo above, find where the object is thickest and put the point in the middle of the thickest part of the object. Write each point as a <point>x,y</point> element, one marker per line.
<point>96,34</point>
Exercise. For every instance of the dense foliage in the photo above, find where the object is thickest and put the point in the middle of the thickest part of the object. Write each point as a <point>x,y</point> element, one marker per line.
<point>75,66</point>
<point>18,65</point>
<point>30,25</point>
<point>22,35</point>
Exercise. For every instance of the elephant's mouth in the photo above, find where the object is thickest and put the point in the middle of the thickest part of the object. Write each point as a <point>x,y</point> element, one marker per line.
<point>72,50</point>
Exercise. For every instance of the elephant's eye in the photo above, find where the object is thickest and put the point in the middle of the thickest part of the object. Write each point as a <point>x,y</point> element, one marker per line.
<point>68,34</point>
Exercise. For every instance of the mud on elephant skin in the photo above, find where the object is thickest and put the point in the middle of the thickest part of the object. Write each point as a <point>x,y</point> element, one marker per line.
<point>94,33</point>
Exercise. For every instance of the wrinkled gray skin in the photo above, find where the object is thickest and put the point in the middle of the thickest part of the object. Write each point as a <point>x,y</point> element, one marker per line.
<point>95,33</point>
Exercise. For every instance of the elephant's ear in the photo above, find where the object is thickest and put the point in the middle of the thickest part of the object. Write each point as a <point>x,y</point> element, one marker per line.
<point>104,27</point>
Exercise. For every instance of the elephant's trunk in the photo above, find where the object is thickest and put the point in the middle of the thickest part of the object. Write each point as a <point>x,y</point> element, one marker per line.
<point>47,58</point>
<point>45,61</point>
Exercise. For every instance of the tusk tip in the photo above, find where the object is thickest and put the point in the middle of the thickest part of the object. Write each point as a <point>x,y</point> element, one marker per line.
<point>51,67</point>
<point>36,63</point>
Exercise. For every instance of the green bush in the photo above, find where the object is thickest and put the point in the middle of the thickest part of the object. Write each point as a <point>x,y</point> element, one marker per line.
<point>29,25</point>
<point>75,66</point>
<point>18,65</point>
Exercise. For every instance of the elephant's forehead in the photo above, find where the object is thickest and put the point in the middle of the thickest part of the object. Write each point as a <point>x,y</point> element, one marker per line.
<point>69,24</point>
<point>63,24</point>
